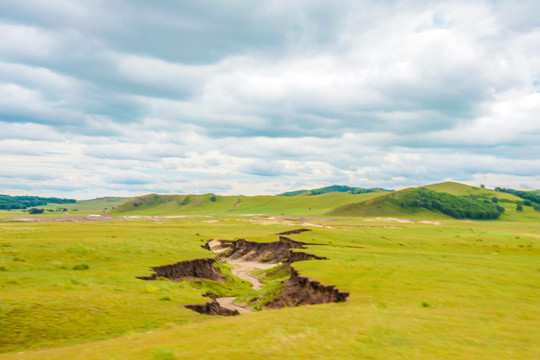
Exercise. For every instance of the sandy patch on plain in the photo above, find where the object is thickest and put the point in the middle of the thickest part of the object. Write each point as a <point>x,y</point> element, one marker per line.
<point>406,221</point>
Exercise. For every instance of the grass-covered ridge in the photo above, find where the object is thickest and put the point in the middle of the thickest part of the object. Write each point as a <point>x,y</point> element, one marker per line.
<point>469,204</point>
<point>210,204</point>
<point>333,188</point>
<point>458,207</point>
<point>8,202</point>
<point>438,200</point>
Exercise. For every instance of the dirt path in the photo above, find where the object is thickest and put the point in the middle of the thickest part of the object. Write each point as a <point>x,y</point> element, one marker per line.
<point>241,269</point>
<point>228,303</point>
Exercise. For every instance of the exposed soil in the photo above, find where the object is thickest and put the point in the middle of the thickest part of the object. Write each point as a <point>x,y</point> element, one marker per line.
<point>298,290</point>
<point>91,218</point>
<point>238,202</point>
<point>243,269</point>
<point>228,303</point>
<point>292,232</point>
<point>199,268</point>
<point>212,308</point>
<point>63,219</point>
<point>301,290</point>
<point>273,252</point>
<point>292,218</point>
<point>406,221</point>
<point>244,257</point>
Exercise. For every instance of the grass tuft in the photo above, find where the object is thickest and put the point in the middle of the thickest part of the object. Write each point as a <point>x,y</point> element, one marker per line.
<point>163,353</point>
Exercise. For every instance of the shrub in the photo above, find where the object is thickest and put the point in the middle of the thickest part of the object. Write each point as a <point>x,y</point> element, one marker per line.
<point>35,211</point>
<point>163,353</point>
<point>81,267</point>
<point>519,207</point>
<point>459,207</point>
<point>213,198</point>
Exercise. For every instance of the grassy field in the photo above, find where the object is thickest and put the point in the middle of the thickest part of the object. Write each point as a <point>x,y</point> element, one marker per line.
<point>81,208</point>
<point>230,205</point>
<point>449,289</point>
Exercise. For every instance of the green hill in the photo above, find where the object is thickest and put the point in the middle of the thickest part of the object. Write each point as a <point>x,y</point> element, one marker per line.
<point>432,201</point>
<point>85,207</point>
<point>210,204</point>
<point>456,200</point>
<point>8,202</point>
<point>462,189</point>
<point>333,188</point>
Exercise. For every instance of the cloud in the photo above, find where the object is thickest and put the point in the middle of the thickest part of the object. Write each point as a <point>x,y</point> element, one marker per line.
<point>247,97</point>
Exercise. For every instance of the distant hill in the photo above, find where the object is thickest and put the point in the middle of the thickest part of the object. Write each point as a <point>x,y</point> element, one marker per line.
<point>455,188</point>
<point>437,201</point>
<point>333,188</point>
<point>529,197</point>
<point>456,200</point>
<point>85,207</point>
<point>8,202</point>
<point>210,204</point>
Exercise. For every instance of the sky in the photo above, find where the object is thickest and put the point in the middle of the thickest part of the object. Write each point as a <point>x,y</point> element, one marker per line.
<point>101,98</point>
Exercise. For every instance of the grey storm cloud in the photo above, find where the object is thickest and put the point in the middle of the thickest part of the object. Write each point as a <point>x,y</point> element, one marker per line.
<point>199,94</point>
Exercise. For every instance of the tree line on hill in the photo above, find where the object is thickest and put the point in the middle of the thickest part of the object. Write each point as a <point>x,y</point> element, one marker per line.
<point>333,188</point>
<point>459,207</point>
<point>530,198</point>
<point>8,202</point>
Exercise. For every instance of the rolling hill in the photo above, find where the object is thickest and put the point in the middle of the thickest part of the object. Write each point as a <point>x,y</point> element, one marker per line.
<point>333,188</point>
<point>442,200</point>
<point>210,204</point>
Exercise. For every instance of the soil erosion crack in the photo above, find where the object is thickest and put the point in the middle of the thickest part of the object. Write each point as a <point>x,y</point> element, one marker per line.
<point>244,257</point>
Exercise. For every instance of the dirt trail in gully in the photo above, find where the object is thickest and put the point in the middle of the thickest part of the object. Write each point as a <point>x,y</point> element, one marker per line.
<point>244,257</point>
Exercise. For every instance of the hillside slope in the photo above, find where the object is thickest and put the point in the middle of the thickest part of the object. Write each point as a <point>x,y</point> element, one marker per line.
<point>333,188</point>
<point>210,204</point>
<point>462,190</point>
<point>421,200</point>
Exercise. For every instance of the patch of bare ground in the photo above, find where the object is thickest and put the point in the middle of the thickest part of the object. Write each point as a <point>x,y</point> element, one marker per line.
<point>292,218</point>
<point>63,219</point>
<point>273,252</point>
<point>301,290</point>
<point>198,268</point>
<point>292,232</point>
<point>292,221</point>
<point>212,308</point>
<point>406,221</point>
<point>91,218</point>
<point>244,257</point>
<point>230,304</point>
<point>297,290</point>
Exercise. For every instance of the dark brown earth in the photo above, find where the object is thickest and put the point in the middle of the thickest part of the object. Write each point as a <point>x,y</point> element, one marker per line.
<point>212,308</point>
<point>199,268</point>
<point>301,290</point>
<point>273,252</point>
<point>297,290</point>
<point>292,232</point>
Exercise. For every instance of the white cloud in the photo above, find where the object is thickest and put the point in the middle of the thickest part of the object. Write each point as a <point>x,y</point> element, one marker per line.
<point>261,98</point>
<point>24,41</point>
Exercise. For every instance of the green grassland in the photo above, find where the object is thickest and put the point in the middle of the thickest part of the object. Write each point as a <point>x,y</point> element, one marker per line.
<point>80,208</point>
<point>333,188</point>
<point>450,289</point>
<point>381,203</point>
<point>229,205</point>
